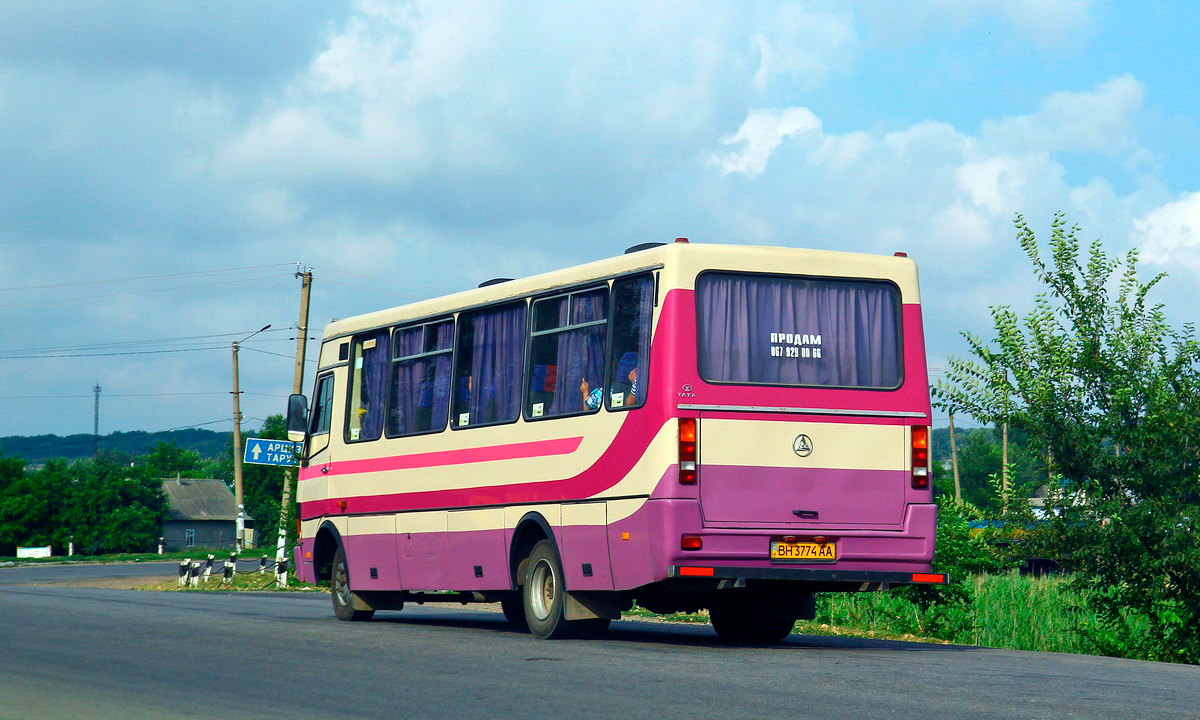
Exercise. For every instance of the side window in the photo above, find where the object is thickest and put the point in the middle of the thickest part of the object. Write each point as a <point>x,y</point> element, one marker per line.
<point>420,381</point>
<point>368,382</point>
<point>490,354</point>
<point>629,363</point>
<point>322,406</point>
<point>566,369</point>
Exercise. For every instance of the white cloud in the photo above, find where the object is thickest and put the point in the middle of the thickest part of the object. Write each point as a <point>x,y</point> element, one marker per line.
<point>1100,121</point>
<point>1170,234</point>
<point>760,134</point>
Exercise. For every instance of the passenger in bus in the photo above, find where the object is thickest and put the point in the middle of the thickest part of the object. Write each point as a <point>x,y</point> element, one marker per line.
<point>626,384</point>
<point>592,397</point>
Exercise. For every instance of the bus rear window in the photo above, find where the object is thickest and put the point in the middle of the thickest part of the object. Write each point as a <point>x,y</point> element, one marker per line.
<point>794,330</point>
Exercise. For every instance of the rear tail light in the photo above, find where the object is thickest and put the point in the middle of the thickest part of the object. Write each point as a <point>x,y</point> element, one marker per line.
<point>691,542</point>
<point>920,457</point>
<point>687,450</point>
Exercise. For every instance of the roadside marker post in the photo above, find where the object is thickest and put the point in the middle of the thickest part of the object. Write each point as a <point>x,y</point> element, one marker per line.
<point>184,567</point>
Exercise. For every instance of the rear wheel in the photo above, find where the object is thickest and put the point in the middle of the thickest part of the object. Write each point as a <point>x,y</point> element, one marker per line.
<point>343,597</point>
<point>738,623</point>
<point>543,594</point>
<point>514,612</point>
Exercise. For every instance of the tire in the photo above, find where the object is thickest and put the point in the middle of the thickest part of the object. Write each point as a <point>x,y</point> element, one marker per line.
<point>543,594</point>
<point>343,597</point>
<point>738,623</point>
<point>514,613</point>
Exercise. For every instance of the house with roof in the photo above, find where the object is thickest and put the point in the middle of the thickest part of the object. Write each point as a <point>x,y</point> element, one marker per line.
<point>203,514</point>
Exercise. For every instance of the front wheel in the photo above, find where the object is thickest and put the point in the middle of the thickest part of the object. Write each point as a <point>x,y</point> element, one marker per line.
<point>343,597</point>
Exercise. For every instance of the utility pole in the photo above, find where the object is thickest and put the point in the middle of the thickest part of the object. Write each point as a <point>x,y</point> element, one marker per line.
<point>96,422</point>
<point>238,497</point>
<point>297,388</point>
<point>954,461</point>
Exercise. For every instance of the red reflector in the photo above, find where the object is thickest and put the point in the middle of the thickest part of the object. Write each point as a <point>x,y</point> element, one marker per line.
<point>691,542</point>
<point>696,571</point>
<point>928,578</point>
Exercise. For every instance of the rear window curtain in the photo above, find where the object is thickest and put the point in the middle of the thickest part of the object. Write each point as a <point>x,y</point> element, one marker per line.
<point>798,331</point>
<point>420,383</point>
<point>491,353</point>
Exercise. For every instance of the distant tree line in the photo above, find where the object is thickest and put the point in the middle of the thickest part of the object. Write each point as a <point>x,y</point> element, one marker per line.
<point>37,449</point>
<point>114,502</point>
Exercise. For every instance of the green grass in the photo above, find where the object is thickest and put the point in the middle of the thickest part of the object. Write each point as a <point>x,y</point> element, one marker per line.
<point>1008,611</point>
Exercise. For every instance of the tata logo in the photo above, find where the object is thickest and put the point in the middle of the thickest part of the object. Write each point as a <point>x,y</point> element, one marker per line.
<point>802,445</point>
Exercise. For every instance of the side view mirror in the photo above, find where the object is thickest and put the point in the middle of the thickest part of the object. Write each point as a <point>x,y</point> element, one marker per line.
<point>297,418</point>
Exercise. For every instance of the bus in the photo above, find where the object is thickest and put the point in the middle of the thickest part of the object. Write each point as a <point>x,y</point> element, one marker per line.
<point>687,426</point>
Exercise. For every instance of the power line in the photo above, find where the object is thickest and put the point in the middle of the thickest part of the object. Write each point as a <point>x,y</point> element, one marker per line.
<point>186,339</point>
<point>112,354</point>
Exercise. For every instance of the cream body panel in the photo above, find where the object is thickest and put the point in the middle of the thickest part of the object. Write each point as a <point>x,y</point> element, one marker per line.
<point>592,513</point>
<point>371,525</point>
<point>486,519</point>
<point>837,446</point>
<point>421,522</point>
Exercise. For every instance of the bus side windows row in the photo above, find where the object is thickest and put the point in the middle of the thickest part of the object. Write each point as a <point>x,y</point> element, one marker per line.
<point>420,377</point>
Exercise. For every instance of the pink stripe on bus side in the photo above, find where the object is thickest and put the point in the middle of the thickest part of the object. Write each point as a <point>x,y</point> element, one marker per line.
<point>440,458</point>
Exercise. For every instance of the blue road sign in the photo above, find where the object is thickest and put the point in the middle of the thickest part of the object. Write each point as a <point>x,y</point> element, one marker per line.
<point>260,451</point>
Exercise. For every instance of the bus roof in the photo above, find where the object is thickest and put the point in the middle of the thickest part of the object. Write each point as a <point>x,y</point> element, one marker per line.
<point>685,259</point>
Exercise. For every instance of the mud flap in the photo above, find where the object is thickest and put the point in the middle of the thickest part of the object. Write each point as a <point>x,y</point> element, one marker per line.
<point>358,603</point>
<point>593,605</point>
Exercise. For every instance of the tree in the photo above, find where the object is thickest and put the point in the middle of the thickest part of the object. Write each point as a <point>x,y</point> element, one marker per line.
<point>1097,376</point>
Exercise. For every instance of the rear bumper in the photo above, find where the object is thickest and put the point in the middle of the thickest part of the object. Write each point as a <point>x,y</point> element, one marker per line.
<point>824,579</point>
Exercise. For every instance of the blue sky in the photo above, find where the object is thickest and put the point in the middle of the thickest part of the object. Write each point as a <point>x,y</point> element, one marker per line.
<point>167,163</point>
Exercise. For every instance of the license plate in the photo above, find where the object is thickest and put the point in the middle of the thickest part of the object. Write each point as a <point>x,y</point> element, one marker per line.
<point>803,552</point>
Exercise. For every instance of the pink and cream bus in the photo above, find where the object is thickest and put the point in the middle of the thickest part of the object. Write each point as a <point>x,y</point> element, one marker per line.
<point>686,426</point>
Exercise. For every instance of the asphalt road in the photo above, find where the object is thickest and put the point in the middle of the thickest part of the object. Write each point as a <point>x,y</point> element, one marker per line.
<point>83,652</point>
